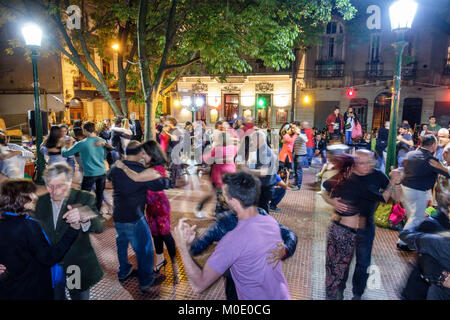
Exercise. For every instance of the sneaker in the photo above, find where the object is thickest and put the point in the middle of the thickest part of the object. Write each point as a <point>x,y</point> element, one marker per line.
<point>130,274</point>
<point>340,295</point>
<point>158,279</point>
<point>356,297</point>
<point>276,209</point>
<point>295,188</point>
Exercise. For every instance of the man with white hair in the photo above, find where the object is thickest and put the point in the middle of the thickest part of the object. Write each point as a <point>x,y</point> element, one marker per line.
<point>50,208</point>
<point>443,140</point>
<point>135,127</point>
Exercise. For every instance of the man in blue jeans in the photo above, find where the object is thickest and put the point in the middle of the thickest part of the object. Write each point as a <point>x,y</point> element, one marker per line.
<point>300,157</point>
<point>129,220</point>
<point>378,188</point>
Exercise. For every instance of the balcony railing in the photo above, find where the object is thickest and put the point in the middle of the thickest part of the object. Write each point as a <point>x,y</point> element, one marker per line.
<point>446,71</point>
<point>81,83</point>
<point>409,72</point>
<point>329,69</point>
<point>374,69</point>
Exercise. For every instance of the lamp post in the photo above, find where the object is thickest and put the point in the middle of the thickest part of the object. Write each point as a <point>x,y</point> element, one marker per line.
<point>402,14</point>
<point>193,105</point>
<point>33,35</point>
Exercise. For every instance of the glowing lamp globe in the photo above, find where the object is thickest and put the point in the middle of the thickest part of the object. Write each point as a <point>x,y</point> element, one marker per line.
<point>402,14</point>
<point>32,35</point>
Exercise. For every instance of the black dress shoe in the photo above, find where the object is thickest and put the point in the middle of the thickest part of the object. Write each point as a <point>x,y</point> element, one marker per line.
<point>132,273</point>
<point>159,278</point>
<point>404,247</point>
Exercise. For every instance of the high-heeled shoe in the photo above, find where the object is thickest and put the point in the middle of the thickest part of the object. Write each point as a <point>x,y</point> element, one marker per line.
<point>160,265</point>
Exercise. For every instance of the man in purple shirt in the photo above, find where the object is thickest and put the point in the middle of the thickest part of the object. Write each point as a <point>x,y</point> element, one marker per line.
<point>244,250</point>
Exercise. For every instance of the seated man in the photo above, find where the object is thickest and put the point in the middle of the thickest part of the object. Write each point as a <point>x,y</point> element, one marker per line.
<point>430,279</point>
<point>278,193</point>
<point>244,249</point>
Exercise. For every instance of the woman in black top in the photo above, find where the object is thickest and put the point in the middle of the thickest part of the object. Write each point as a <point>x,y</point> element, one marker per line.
<point>342,230</point>
<point>24,249</point>
<point>54,143</point>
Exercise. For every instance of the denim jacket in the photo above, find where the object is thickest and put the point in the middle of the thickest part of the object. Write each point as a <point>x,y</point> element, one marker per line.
<point>227,222</point>
<point>435,245</point>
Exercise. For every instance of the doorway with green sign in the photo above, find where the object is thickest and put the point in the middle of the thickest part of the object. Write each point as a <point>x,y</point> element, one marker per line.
<point>263,107</point>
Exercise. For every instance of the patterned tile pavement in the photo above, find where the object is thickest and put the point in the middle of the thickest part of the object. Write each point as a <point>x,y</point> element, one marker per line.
<point>303,211</point>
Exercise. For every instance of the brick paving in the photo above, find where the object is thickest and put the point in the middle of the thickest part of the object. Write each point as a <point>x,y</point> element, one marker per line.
<point>303,211</point>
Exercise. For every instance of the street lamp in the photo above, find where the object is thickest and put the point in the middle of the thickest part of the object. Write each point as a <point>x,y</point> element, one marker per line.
<point>33,35</point>
<point>402,14</point>
<point>192,105</point>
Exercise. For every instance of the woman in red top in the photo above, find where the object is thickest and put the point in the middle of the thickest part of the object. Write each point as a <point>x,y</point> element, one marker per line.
<point>285,156</point>
<point>164,138</point>
<point>158,205</point>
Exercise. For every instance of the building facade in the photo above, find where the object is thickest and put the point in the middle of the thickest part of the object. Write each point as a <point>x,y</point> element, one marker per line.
<point>353,65</point>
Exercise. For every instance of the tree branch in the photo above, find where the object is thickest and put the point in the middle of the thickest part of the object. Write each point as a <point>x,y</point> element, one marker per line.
<point>131,56</point>
<point>181,65</point>
<point>3,4</point>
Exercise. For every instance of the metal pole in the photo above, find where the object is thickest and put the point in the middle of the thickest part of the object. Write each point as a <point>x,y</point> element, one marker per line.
<point>392,140</point>
<point>38,122</point>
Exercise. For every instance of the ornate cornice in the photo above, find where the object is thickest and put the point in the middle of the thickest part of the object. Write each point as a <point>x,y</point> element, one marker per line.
<point>264,87</point>
<point>199,87</point>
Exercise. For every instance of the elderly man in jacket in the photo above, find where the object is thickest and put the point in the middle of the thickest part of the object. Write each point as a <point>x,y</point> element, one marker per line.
<point>80,264</point>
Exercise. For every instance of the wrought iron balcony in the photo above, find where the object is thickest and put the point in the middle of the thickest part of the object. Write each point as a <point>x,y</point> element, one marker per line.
<point>374,69</point>
<point>329,69</point>
<point>409,71</point>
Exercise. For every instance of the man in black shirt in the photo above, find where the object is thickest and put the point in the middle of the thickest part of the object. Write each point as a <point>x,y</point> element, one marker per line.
<point>129,220</point>
<point>419,178</point>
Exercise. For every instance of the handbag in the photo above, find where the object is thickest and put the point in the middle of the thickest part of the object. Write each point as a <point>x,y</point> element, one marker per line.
<point>397,216</point>
<point>357,131</point>
<point>382,215</point>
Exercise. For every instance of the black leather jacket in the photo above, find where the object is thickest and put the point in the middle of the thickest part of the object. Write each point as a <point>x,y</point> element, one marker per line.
<point>227,222</point>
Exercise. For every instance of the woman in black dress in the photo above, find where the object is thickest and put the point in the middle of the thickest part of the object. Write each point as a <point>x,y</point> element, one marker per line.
<point>24,250</point>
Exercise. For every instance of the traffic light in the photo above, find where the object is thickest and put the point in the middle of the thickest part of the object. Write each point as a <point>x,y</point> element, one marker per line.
<point>350,93</point>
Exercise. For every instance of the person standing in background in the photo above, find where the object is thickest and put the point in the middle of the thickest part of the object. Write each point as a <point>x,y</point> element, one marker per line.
<point>335,124</point>
<point>310,143</point>
<point>404,143</point>
<point>135,127</point>
<point>433,127</point>
<point>350,121</point>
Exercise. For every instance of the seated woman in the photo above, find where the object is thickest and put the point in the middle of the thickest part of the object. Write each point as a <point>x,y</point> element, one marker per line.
<point>25,251</point>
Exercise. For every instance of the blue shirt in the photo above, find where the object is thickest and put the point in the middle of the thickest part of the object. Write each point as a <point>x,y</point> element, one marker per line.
<point>92,157</point>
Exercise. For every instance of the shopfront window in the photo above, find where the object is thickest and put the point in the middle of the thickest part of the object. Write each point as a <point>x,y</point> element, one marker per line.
<point>231,106</point>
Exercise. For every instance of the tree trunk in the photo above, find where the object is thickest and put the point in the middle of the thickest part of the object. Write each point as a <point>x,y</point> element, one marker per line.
<point>122,82</point>
<point>150,112</point>
<point>144,69</point>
